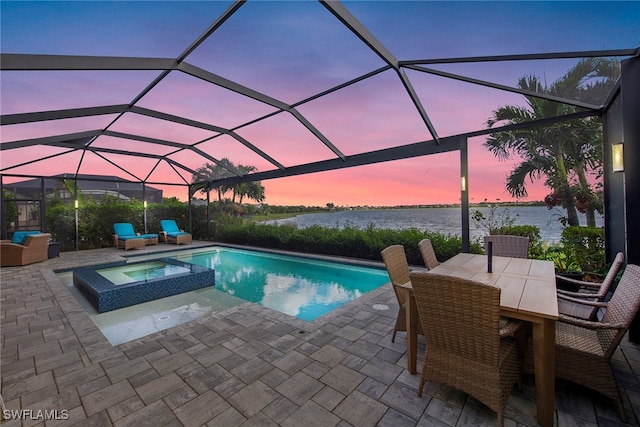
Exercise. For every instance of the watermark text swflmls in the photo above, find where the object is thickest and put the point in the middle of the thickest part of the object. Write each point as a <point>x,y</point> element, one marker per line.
<point>33,414</point>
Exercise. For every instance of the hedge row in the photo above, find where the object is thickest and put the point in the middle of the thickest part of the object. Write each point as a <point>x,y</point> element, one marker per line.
<point>348,241</point>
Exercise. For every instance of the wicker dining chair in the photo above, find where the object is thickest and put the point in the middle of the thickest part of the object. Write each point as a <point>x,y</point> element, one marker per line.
<point>570,303</point>
<point>466,348</point>
<point>428,254</point>
<point>508,245</point>
<point>397,265</point>
<point>584,348</point>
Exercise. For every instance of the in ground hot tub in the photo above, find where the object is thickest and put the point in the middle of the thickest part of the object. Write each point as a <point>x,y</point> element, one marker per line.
<point>114,287</point>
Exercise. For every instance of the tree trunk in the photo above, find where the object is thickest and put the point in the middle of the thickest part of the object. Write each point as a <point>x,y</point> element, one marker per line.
<point>570,206</point>
<point>589,210</point>
<point>565,191</point>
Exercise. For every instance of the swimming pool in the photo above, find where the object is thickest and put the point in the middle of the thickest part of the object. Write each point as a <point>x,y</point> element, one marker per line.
<point>302,287</point>
<point>305,288</point>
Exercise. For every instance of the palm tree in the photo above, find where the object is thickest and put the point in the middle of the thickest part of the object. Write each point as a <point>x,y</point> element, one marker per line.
<point>242,188</point>
<point>211,172</point>
<point>563,152</point>
<point>253,190</point>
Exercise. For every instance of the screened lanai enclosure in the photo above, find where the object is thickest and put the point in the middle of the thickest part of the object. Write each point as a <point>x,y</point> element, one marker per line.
<point>130,99</point>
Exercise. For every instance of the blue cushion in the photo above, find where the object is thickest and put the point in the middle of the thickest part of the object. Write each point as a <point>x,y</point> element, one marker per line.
<point>20,237</point>
<point>129,237</point>
<point>170,226</point>
<point>123,229</point>
<point>176,233</point>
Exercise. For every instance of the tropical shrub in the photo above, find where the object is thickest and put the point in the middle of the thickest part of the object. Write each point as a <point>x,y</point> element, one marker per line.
<point>348,241</point>
<point>585,247</point>
<point>60,222</point>
<point>11,210</point>
<point>561,261</point>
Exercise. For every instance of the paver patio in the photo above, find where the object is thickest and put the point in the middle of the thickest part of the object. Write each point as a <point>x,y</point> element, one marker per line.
<point>247,365</point>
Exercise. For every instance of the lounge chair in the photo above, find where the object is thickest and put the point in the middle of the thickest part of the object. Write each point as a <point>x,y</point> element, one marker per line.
<point>395,260</point>
<point>508,245</point>
<point>173,234</point>
<point>34,249</point>
<point>571,303</point>
<point>466,347</point>
<point>125,237</point>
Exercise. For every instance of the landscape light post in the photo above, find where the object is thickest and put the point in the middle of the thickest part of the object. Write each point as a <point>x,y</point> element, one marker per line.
<point>144,205</point>
<point>464,194</point>
<point>76,206</point>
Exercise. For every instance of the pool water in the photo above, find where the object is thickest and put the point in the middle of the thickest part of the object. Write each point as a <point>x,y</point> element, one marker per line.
<point>301,287</point>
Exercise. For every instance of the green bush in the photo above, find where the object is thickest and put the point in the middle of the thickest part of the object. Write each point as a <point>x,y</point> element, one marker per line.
<point>96,219</point>
<point>585,246</point>
<point>348,241</point>
<point>561,262</point>
<point>60,222</point>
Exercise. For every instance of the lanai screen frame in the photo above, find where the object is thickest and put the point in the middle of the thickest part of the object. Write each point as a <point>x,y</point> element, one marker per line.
<point>83,140</point>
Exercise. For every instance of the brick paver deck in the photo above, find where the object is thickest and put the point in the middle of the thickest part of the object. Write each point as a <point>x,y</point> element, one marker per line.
<point>247,365</point>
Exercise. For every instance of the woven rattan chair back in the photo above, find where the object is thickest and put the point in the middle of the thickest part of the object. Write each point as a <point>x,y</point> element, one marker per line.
<point>584,311</point>
<point>463,316</point>
<point>461,323</point>
<point>395,260</point>
<point>622,308</point>
<point>507,245</point>
<point>428,254</point>
<point>611,276</point>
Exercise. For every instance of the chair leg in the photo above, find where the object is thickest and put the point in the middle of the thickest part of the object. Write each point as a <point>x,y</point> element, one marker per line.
<point>422,381</point>
<point>393,337</point>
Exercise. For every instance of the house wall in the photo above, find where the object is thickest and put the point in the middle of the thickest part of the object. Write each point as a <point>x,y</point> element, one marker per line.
<point>622,189</point>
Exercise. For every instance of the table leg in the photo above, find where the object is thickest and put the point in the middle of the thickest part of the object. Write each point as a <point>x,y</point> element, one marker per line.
<point>412,331</point>
<point>544,349</point>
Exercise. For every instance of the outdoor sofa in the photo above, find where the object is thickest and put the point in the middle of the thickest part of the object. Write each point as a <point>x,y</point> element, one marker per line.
<point>24,248</point>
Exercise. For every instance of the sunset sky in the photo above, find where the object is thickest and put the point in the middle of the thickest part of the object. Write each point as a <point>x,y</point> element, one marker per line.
<point>291,51</point>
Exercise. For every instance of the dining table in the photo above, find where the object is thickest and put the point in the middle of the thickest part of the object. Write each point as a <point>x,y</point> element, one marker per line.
<point>528,293</point>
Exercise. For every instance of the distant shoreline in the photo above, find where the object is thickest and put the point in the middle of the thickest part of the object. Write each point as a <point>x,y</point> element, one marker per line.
<point>317,209</point>
<point>440,205</point>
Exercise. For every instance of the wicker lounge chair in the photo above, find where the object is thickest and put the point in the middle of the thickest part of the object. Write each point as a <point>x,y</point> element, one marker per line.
<point>173,234</point>
<point>34,249</point>
<point>507,245</point>
<point>570,303</point>
<point>584,348</point>
<point>395,260</point>
<point>428,254</point>
<point>125,237</point>
<point>466,348</point>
